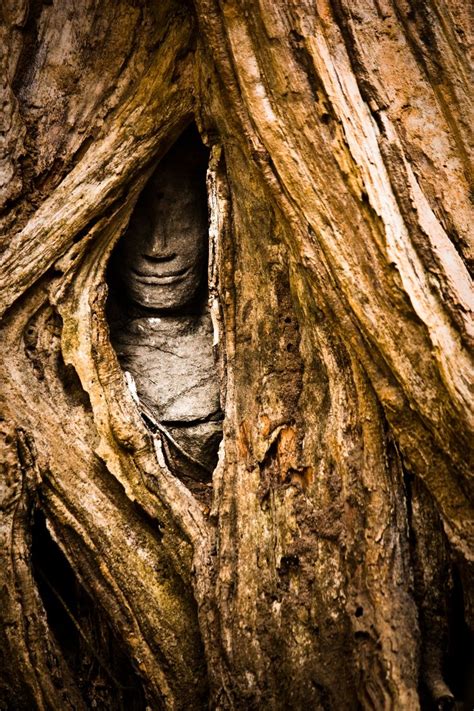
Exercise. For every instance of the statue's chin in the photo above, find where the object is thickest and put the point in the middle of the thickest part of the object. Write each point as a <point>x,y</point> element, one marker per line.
<point>162,298</point>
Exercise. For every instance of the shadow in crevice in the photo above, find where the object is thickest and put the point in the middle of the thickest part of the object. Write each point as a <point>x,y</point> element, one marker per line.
<point>447,643</point>
<point>459,660</point>
<point>98,663</point>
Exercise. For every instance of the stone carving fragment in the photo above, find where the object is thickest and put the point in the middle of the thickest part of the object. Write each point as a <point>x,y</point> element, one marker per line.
<point>158,312</point>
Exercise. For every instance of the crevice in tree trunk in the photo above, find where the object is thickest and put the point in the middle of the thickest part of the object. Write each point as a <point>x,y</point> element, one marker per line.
<point>95,656</point>
<point>459,660</point>
<point>447,644</point>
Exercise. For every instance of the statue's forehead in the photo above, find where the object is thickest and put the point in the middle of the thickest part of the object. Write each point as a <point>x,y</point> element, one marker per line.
<point>175,175</point>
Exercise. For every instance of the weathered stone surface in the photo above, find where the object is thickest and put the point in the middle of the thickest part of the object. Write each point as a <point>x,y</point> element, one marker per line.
<point>160,263</point>
<point>173,367</point>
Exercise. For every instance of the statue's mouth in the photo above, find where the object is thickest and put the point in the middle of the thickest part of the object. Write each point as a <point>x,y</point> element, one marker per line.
<point>169,277</point>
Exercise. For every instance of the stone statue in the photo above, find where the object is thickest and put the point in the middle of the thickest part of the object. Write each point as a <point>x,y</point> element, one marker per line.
<point>158,312</point>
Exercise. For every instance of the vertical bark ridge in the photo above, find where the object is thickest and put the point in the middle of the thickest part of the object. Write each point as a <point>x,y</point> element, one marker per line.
<point>370,222</point>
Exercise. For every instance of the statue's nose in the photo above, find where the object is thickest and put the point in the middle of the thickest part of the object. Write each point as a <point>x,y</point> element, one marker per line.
<point>158,243</point>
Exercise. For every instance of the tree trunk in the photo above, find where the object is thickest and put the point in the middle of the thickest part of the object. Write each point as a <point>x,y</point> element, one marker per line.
<point>329,565</point>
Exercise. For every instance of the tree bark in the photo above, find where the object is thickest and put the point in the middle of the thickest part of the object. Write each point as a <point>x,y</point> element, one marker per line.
<point>330,563</point>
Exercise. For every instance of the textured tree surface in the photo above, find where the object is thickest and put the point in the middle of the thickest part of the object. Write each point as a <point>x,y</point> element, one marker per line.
<point>330,563</point>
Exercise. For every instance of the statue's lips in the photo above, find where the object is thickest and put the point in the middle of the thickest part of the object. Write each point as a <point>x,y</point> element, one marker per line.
<point>169,277</point>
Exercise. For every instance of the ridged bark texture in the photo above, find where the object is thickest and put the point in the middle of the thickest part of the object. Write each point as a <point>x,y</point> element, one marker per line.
<point>333,566</point>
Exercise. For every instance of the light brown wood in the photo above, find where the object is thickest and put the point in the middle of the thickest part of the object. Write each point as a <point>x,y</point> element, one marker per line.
<point>321,575</point>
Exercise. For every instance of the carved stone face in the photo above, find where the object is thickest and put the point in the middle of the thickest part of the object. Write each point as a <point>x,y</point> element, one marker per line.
<point>163,254</point>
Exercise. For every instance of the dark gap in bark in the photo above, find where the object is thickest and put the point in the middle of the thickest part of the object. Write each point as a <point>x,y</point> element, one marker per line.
<point>72,386</point>
<point>101,669</point>
<point>420,33</point>
<point>444,631</point>
<point>459,242</point>
<point>152,523</point>
<point>114,205</point>
<point>368,89</point>
<point>26,62</point>
<point>304,59</point>
<point>459,661</point>
<point>84,231</point>
<point>83,148</point>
